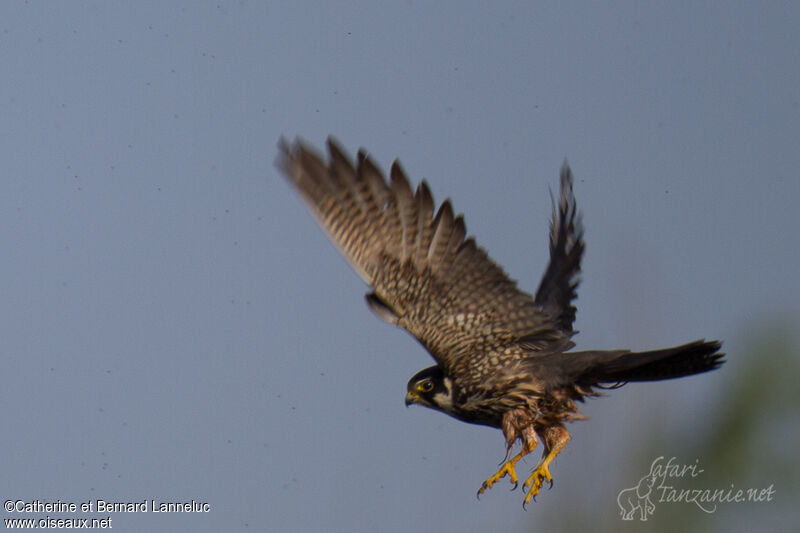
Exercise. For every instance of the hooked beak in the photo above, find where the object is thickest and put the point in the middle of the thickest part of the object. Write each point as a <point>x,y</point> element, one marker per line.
<point>411,397</point>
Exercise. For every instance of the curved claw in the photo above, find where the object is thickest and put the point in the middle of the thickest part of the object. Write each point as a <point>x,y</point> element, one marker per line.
<point>534,483</point>
<point>506,469</point>
<point>516,484</point>
<point>526,501</point>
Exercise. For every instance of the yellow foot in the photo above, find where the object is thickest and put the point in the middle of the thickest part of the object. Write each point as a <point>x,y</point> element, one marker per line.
<point>536,480</point>
<point>506,469</point>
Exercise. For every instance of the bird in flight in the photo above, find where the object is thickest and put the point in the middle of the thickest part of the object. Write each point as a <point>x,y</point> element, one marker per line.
<point>502,355</point>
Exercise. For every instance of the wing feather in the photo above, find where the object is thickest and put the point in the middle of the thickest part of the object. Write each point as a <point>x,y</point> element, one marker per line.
<point>406,208</point>
<point>560,281</point>
<point>427,277</point>
<point>442,230</point>
<point>424,231</point>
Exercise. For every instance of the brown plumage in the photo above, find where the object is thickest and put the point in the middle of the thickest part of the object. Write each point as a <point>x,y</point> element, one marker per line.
<point>502,355</point>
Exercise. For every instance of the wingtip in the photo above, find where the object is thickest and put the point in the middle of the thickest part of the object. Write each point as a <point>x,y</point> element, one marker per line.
<point>289,149</point>
<point>566,175</point>
<point>424,191</point>
<point>283,143</point>
<point>335,147</point>
<point>284,154</point>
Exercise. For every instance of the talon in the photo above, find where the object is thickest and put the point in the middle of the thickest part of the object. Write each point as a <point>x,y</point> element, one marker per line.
<point>527,500</point>
<point>535,481</point>
<point>506,469</point>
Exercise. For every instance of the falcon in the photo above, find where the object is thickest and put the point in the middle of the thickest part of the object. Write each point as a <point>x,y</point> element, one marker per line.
<point>502,355</point>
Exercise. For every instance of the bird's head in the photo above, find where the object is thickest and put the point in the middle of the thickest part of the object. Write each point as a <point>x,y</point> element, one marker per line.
<point>431,388</point>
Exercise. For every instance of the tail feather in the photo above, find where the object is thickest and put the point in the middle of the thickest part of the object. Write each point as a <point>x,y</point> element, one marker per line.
<point>596,368</point>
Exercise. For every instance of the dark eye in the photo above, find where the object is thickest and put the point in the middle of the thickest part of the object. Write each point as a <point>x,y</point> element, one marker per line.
<point>426,386</point>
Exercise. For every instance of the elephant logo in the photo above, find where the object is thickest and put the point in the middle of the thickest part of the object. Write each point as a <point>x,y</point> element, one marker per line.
<point>638,497</point>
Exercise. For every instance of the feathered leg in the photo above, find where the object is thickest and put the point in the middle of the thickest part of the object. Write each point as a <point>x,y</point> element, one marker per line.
<point>555,438</point>
<point>513,430</point>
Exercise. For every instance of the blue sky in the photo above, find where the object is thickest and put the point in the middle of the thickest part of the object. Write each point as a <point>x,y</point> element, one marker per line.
<point>176,327</point>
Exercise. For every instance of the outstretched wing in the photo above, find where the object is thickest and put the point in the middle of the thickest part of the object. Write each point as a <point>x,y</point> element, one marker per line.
<point>426,277</point>
<point>560,281</point>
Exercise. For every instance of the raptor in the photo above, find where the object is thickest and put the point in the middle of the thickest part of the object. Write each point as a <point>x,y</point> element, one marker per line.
<point>503,356</point>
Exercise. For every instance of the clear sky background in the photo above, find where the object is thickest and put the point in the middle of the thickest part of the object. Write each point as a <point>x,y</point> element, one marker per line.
<point>175,326</point>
